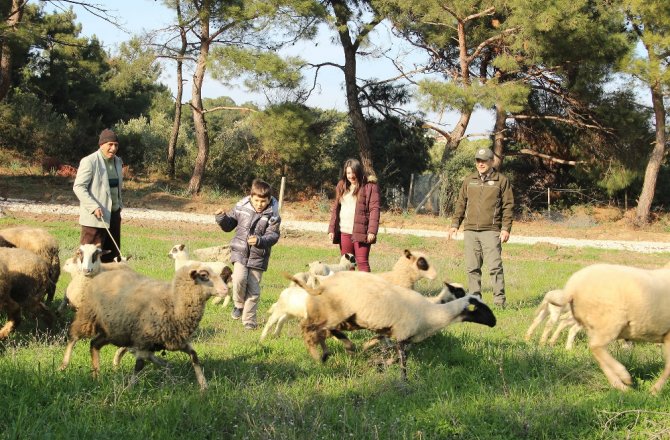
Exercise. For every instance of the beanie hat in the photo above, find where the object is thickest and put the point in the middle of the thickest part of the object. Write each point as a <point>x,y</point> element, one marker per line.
<point>107,135</point>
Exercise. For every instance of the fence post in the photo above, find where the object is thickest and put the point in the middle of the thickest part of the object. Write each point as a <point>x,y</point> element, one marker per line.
<point>281,192</point>
<point>549,200</point>
<point>410,193</point>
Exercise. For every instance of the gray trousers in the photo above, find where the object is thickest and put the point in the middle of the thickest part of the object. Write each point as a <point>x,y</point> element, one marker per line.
<point>246,291</point>
<point>484,247</point>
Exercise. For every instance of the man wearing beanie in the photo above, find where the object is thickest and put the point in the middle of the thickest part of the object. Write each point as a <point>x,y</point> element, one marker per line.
<point>485,204</point>
<point>98,187</point>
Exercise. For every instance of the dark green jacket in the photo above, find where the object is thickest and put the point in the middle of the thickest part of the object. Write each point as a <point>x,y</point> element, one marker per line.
<point>484,205</point>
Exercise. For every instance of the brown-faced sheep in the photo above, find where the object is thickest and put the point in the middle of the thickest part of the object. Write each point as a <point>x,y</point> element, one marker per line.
<point>25,279</point>
<point>129,310</point>
<point>388,310</point>
<point>620,302</point>
<point>40,242</point>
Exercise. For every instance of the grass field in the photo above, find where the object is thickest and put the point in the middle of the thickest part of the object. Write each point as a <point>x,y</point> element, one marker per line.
<point>468,382</point>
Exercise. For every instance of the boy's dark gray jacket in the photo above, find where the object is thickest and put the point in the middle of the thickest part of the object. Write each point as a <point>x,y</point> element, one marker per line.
<point>484,205</point>
<point>264,225</point>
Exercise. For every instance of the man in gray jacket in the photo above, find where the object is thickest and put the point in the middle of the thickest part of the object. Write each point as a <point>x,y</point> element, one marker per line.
<point>485,207</point>
<point>98,187</point>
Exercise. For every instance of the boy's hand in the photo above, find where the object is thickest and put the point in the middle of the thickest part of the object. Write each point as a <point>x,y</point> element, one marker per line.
<point>252,240</point>
<point>219,211</point>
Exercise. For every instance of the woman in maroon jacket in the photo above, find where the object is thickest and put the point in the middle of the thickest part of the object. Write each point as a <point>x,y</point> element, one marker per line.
<point>354,217</point>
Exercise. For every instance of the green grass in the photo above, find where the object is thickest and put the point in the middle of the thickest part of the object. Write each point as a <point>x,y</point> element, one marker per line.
<point>468,381</point>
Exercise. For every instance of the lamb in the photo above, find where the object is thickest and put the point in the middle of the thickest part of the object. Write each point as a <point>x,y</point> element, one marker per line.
<point>560,316</point>
<point>144,315</point>
<point>347,262</point>
<point>40,242</point>
<point>390,311</point>
<point>180,256</point>
<point>409,268</point>
<point>621,302</point>
<point>83,267</point>
<point>24,280</point>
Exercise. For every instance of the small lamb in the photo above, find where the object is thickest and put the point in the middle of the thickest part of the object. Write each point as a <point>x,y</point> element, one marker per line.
<point>410,268</point>
<point>347,262</point>
<point>181,258</point>
<point>144,315</point>
<point>560,316</point>
<point>620,302</point>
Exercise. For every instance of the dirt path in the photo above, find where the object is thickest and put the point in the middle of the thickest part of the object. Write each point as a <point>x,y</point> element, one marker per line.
<point>176,216</point>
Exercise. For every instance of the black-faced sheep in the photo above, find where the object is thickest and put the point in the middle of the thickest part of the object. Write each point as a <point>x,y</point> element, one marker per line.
<point>390,311</point>
<point>556,316</point>
<point>409,268</point>
<point>145,315</point>
<point>620,302</point>
<point>181,258</point>
<point>40,242</point>
<point>25,280</point>
<point>347,262</point>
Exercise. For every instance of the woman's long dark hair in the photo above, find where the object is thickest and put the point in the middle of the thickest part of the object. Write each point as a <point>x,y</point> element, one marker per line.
<point>344,184</point>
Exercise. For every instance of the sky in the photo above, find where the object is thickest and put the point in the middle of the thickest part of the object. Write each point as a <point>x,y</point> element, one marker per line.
<point>137,16</point>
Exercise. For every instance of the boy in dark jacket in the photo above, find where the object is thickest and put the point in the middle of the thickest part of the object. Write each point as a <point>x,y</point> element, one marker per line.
<point>257,220</point>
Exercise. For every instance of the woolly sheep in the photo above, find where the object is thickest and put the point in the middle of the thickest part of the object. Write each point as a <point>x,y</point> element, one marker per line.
<point>40,242</point>
<point>620,302</point>
<point>144,315</point>
<point>181,258</point>
<point>347,262</point>
<point>409,268</point>
<point>25,279</point>
<point>83,267</point>
<point>561,317</point>
<point>390,311</point>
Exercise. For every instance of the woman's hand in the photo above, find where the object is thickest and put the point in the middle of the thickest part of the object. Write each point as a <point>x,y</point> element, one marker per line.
<point>371,238</point>
<point>331,236</point>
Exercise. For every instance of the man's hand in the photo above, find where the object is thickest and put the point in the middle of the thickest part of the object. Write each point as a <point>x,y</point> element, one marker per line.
<point>98,213</point>
<point>504,236</point>
<point>451,233</point>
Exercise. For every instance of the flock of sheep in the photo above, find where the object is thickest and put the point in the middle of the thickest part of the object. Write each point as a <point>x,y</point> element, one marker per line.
<point>115,305</point>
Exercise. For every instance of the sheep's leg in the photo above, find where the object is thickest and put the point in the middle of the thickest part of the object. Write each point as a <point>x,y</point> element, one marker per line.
<point>13,310</point>
<point>68,353</point>
<point>373,342</point>
<point>268,325</point>
<point>196,366</point>
<point>280,324</point>
<point>348,345</point>
<point>572,333</point>
<point>402,355</point>
<point>97,343</point>
<point>562,324</point>
<point>616,373</point>
<point>313,338</point>
<point>541,315</point>
<point>666,371</point>
<point>63,305</point>
<point>118,355</point>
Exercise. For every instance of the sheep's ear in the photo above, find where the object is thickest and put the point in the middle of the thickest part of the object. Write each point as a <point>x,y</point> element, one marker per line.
<point>203,275</point>
<point>226,274</point>
<point>408,254</point>
<point>181,247</point>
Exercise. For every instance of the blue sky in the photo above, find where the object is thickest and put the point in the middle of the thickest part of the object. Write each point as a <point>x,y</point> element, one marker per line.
<point>137,16</point>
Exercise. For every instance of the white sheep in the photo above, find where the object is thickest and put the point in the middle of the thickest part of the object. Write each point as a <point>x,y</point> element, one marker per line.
<point>181,258</point>
<point>410,267</point>
<point>388,310</point>
<point>40,242</point>
<point>83,267</point>
<point>144,315</point>
<point>347,262</point>
<point>25,281</point>
<point>620,302</point>
<point>558,316</point>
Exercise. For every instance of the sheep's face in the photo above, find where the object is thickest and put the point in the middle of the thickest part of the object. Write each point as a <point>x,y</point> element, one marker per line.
<point>178,251</point>
<point>206,278</point>
<point>87,259</point>
<point>422,265</point>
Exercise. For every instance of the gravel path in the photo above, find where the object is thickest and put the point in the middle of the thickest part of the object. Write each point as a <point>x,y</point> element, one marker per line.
<point>175,216</point>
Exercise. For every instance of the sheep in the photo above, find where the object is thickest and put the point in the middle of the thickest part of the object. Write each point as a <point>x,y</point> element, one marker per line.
<point>409,268</point>
<point>144,315</point>
<point>83,267</point>
<point>180,256</point>
<point>347,262</point>
<point>620,302</point>
<point>388,310</point>
<point>560,316</point>
<point>40,242</point>
<point>25,279</point>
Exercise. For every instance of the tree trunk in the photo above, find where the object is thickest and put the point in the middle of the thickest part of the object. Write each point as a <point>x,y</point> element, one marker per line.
<point>354,105</point>
<point>174,136</point>
<point>200,125</point>
<point>13,20</point>
<point>655,159</point>
<point>499,137</point>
